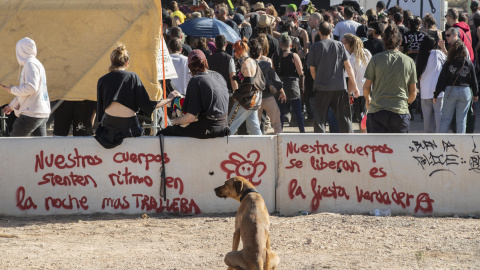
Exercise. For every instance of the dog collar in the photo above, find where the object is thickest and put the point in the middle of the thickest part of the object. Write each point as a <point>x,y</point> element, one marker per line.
<point>246,192</point>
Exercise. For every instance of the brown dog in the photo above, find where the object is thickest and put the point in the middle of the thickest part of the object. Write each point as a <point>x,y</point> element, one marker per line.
<point>251,225</point>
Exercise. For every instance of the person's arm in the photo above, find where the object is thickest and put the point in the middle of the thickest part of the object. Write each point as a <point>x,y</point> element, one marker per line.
<point>313,71</point>
<point>298,65</point>
<point>412,93</point>
<point>367,89</point>
<point>166,101</point>
<point>233,82</point>
<point>184,119</point>
<point>473,84</point>
<point>352,84</point>
<point>441,83</point>
<point>231,73</point>
<point>31,81</point>
<point>306,43</point>
<point>441,44</point>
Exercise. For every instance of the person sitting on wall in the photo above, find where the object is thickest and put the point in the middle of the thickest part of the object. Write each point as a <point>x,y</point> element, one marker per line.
<point>120,94</point>
<point>205,105</point>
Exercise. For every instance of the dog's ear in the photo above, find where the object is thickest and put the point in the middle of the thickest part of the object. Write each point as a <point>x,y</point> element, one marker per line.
<point>238,186</point>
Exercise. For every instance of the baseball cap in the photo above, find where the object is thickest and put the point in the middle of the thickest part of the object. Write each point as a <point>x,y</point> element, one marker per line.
<point>238,18</point>
<point>195,55</point>
<point>292,6</point>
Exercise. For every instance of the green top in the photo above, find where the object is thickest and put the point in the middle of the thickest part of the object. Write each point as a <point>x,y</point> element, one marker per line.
<point>391,72</point>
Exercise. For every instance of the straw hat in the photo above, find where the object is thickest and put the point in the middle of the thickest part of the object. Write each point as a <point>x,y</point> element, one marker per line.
<point>258,6</point>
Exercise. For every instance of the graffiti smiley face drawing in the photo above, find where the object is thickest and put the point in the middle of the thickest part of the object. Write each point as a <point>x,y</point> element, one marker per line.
<point>249,168</point>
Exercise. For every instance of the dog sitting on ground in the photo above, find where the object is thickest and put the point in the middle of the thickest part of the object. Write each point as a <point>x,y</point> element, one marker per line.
<point>251,225</point>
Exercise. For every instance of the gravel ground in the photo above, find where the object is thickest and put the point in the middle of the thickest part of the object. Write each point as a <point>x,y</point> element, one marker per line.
<point>200,242</point>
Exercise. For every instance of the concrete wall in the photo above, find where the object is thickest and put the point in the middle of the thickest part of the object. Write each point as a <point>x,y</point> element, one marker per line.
<point>86,178</point>
<point>351,173</point>
<point>408,174</point>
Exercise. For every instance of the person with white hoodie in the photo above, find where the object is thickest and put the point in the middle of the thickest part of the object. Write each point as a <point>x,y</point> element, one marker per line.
<point>429,64</point>
<point>31,104</point>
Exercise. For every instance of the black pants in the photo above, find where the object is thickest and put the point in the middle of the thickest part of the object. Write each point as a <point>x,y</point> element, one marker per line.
<point>112,130</point>
<point>76,113</point>
<point>387,122</point>
<point>339,102</point>
<point>204,128</point>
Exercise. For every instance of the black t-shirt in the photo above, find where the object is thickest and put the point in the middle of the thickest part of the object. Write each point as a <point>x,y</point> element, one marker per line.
<point>273,45</point>
<point>374,46</point>
<point>131,92</point>
<point>412,40</point>
<point>458,73</point>
<point>207,95</point>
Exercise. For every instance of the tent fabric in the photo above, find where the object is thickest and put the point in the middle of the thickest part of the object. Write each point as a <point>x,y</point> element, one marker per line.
<point>74,40</point>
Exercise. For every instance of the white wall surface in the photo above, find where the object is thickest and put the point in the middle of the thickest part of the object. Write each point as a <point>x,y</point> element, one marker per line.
<point>195,167</point>
<point>408,174</point>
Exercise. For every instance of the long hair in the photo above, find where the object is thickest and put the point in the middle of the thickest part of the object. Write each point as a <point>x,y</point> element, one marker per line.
<point>457,52</point>
<point>119,57</point>
<point>262,38</point>
<point>357,48</point>
<point>426,46</point>
<point>392,37</point>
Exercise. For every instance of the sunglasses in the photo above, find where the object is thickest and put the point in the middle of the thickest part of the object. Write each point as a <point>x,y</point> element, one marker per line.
<point>217,12</point>
<point>448,15</point>
<point>384,22</point>
<point>448,35</point>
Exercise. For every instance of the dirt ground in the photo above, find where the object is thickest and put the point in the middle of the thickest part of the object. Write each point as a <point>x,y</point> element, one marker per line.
<point>316,241</point>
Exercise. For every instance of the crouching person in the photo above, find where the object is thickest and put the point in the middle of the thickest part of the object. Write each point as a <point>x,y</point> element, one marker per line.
<point>206,103</point>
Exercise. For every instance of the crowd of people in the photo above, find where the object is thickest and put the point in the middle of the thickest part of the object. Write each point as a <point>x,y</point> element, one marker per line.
<point>327,68</point>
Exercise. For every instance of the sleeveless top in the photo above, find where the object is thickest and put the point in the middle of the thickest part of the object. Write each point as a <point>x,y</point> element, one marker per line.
<point>285,66</point>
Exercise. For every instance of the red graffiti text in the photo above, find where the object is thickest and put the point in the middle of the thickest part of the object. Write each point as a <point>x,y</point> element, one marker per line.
<point>149,203</point>
<point>377,172</point>
<point>365,150</point>
<point>67,180</point>
<point>116,203</point>
<point>175,183</point>
<point>294,191</point>
<point>308,149</point>
<point>22,203</point>
<point>67,203</point>
<point>140,158</point>
<point>320,165</point>
<point>423,202</point>
<point>127,178</point>
<point>319,192</point>
<point>60,162</point>
<point>294,163</point>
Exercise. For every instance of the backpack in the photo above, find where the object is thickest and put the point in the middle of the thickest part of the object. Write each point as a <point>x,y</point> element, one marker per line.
<point>249,96</point>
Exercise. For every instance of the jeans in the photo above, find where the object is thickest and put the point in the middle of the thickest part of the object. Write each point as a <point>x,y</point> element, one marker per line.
<point>26,126</point>
<point>387,122</point>
<point>432,114</point>
<point>296,106</point>
<point>456,99</point>
<point>251,116</point>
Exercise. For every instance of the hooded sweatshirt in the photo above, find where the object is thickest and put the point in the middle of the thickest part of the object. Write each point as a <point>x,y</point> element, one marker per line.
<point>32,95</point>
<point>466,37</point>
